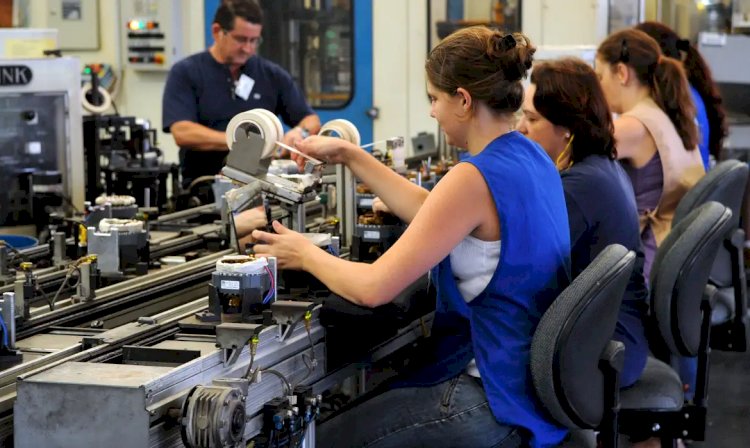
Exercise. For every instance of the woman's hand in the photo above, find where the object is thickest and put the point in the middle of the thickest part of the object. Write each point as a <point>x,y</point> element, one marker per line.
<point>289,247</point>
<point>249,220</point>
<point>379,206</point>
<point>331,150</point>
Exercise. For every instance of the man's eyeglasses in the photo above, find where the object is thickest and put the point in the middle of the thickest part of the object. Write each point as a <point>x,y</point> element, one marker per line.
<point>242,40</point>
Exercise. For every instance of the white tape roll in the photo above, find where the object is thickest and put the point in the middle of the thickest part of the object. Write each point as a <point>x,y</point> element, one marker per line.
<point>241,264</point>
<point>343,129</point>
<point>94,109</point>
<point>259,121</point>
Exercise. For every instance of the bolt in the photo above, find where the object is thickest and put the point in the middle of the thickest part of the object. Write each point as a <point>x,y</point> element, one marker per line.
<point>687,416</point>
<point>684,433</point>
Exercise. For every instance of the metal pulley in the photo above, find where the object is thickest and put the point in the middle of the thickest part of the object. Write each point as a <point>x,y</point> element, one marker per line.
<point>213,417</point>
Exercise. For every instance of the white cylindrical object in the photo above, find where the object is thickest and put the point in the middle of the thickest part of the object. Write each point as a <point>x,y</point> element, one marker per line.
<point>260,121</point>
<point>345,130</point>
<point>106,225</point>
<point>241,264</point>
<point>115,200</point>
<point>93,108</point>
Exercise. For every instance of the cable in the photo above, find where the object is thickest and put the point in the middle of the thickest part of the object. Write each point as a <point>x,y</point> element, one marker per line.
<point>313,362</point>
<point>46,297</point>
<point>271,291</point>
<point>283,379</point>
<point>73,269</point>
<point>234,230</point>
<point>5,331</point>
<point>253,347</point>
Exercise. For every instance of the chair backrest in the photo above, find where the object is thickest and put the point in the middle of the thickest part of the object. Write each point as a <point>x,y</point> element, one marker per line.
<point>725,184</point>
<point>680,273</point>
<point>572,336</point>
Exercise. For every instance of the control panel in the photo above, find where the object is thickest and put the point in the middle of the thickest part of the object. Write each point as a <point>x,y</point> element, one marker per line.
<point>153,33</point>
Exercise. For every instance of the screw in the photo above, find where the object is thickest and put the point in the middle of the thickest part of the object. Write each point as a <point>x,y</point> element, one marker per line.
<point>656,427</point>
<point>687,416</point>
<point>684,433</point>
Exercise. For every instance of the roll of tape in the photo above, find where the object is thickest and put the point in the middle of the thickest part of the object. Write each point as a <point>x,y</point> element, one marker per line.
<point>259,121</point>
<point>94,109</point>
<point>343,129</point>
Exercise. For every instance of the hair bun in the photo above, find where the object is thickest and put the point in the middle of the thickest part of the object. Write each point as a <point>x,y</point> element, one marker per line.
<point>500,44</point>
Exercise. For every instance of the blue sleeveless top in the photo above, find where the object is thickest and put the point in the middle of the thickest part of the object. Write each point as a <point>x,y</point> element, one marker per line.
<point>497,326</point>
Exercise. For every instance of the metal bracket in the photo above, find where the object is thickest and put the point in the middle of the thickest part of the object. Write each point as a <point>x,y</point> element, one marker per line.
<point>288,313</point>
<point>232,338</point>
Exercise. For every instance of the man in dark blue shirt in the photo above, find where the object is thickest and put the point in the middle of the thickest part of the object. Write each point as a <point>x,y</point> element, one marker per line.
<point>204,91</point>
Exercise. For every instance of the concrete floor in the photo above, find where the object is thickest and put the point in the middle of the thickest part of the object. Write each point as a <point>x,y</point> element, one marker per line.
<point>728,401</point>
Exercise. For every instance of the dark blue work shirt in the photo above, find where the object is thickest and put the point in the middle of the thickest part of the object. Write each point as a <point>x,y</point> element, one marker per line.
<point>602,211</point>
<point>201,90</point>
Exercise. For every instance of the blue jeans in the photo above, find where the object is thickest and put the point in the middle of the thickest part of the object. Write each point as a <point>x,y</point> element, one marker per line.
<point>454,413</point>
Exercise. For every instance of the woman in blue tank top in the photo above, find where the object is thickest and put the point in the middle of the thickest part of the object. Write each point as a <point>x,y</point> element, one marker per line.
<point>565,111</point>
<point>473,387</point>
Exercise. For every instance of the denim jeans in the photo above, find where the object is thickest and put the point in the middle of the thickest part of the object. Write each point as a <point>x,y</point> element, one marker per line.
<point>454,413</point>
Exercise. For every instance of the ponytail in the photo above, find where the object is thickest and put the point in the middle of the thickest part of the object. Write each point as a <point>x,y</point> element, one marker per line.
<point>701,79</point>
<point>698,75</point>
<point>670,90</point>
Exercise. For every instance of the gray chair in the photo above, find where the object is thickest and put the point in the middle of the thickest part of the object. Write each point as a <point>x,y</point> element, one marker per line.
<point>574,364</point>
<point>725,184</point>
<point>681,313</point>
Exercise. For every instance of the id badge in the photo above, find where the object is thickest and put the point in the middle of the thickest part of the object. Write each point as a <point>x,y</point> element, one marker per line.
<point>244,86</point>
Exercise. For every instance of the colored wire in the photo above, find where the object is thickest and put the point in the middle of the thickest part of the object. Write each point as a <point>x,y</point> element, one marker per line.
<point>269,296</point>
<point>5,331</point>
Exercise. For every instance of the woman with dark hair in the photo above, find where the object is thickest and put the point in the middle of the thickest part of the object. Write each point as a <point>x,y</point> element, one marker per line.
<point>564,110</point>
<point>712,122</point>
<point>472,385</point>
<point>655,132</point>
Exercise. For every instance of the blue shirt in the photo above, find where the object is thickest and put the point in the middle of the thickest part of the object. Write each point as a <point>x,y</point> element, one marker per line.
<point>201,90</point>
<point>701,120</point>
<point>602,211</point>
<point>496,327</point>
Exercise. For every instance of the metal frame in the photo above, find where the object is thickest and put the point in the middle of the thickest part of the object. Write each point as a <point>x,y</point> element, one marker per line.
<point>60,75</point>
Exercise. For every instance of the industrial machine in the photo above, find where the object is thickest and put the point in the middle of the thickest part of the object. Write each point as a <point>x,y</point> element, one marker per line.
<point>41,158</point>
<point>731,76</point>
<point>250,362</point>
<point>122,157</point>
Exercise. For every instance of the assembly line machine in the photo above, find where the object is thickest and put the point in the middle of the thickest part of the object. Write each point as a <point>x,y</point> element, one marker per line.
<point>172,335</point>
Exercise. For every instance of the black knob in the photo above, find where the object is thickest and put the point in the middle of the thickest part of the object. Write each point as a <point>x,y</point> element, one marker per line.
<point>28,115</point>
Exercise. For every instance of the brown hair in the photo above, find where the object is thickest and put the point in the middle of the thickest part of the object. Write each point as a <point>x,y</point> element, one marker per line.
<point>568,94</point>
<point>228,10</point>
<point>485,62</point>
<point>698,75</point>
<point>664,77</point>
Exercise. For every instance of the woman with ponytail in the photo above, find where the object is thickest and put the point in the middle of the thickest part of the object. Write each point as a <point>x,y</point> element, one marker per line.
<point>564,110</point>
<point>711,117</point>
<point>493,232</point>
<point>655,133</point>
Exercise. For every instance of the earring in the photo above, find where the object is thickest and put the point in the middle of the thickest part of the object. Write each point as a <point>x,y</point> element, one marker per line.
<point>567,135</point>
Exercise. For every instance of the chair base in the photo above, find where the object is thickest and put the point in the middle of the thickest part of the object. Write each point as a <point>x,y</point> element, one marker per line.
<point>687,423</point>
<point>730,336</point>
